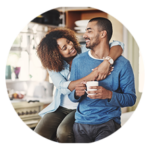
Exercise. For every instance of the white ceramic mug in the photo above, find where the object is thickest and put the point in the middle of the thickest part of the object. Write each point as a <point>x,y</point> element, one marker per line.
<point>91,83</point>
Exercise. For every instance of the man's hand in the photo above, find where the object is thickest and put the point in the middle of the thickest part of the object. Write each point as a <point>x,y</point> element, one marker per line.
<point>103,70</point>
<point>101,93</point>
<point>80,89</point>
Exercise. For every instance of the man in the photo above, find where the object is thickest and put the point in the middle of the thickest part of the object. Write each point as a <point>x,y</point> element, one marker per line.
<point>98,116</point>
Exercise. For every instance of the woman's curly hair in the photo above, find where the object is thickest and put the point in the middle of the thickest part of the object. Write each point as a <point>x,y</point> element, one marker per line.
<point>48,50</point>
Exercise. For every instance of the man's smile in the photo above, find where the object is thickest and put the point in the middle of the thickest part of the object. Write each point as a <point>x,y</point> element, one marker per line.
<point>87,40</point>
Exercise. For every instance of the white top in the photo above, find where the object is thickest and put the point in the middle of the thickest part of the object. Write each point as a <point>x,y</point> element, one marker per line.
<point>66,102</point>
<point>92,56</point>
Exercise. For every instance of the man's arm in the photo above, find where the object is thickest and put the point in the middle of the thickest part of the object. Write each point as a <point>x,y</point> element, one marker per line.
<point>124,99</point>
<point>127,85</point>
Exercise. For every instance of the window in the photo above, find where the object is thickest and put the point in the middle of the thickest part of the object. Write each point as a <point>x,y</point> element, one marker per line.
<point>36,70</point>
<point>13,58</point>
<point>22,53</point>
<point>18,56</point>
<point>10,62</point>
<point>17,41</point>
<point>144,69</point>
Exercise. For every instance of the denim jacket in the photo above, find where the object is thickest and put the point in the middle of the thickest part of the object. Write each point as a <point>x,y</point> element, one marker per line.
<point>60,82</point>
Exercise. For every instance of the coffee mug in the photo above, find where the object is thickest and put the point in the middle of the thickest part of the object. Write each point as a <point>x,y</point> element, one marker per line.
<point>91,83</point>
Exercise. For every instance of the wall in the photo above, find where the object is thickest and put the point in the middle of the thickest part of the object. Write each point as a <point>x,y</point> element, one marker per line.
<point>121,21</point>
<point>117,29</point>
<point>137,38</point>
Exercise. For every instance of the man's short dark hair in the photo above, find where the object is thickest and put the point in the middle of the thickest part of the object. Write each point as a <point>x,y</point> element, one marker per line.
<point>104,24</point>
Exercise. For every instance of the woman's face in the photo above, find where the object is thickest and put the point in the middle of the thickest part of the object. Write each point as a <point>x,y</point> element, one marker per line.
<point>66,48</point>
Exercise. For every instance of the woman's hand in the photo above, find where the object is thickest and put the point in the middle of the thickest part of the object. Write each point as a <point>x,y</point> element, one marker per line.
<point>93,75</point>
<point>103,70</point>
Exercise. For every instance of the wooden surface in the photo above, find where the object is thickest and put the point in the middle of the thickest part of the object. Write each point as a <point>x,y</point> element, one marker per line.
<point>71,17</point>
<point>75,15</point>
<point>92,14</point>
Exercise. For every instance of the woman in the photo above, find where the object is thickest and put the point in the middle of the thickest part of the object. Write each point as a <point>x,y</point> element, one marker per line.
<point>56,52</point>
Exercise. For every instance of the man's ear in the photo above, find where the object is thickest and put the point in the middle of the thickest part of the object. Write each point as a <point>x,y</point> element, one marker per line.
<point>103,34</point>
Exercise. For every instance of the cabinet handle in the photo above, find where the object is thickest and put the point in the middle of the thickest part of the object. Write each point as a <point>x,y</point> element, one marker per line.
<point>30,101</point>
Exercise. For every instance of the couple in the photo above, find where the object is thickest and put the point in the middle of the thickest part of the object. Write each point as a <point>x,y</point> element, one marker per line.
<point>74,116</point>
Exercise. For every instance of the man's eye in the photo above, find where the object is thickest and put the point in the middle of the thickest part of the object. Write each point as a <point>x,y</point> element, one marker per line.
<point>89,31</point>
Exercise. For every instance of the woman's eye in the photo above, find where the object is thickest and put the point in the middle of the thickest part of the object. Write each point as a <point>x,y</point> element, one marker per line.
<point>65,48</point>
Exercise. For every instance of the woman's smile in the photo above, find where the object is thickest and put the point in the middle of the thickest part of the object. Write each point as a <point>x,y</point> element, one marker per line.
<point>73,51</point>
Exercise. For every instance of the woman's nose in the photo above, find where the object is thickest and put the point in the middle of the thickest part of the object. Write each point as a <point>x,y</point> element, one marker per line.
<point>69,47</point>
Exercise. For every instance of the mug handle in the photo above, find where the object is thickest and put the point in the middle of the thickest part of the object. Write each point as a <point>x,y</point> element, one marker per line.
<point>86,91</point>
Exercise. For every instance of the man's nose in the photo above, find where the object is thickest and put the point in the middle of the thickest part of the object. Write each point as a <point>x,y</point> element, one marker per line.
<point>84,35</point>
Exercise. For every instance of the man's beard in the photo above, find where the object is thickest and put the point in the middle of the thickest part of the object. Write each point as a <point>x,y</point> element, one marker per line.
<point>95,43</point>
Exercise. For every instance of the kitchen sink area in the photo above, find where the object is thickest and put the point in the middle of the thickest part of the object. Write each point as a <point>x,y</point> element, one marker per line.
<point>41,91</point>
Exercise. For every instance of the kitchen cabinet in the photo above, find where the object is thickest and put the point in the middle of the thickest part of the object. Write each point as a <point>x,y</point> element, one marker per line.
<point>73,15</point>
<point>28,112</point>
<point>21,116</point>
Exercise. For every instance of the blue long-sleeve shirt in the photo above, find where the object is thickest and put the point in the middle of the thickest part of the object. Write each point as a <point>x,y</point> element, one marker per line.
<point>60,81</point>
<point>120,82</point>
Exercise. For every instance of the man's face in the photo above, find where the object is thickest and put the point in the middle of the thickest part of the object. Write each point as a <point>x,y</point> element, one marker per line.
<point>92,35</point>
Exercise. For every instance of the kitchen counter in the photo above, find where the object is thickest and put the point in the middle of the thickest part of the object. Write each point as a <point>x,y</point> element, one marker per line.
<point>17,108</point>
<point>26,99</point>
<point>15,80</point>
